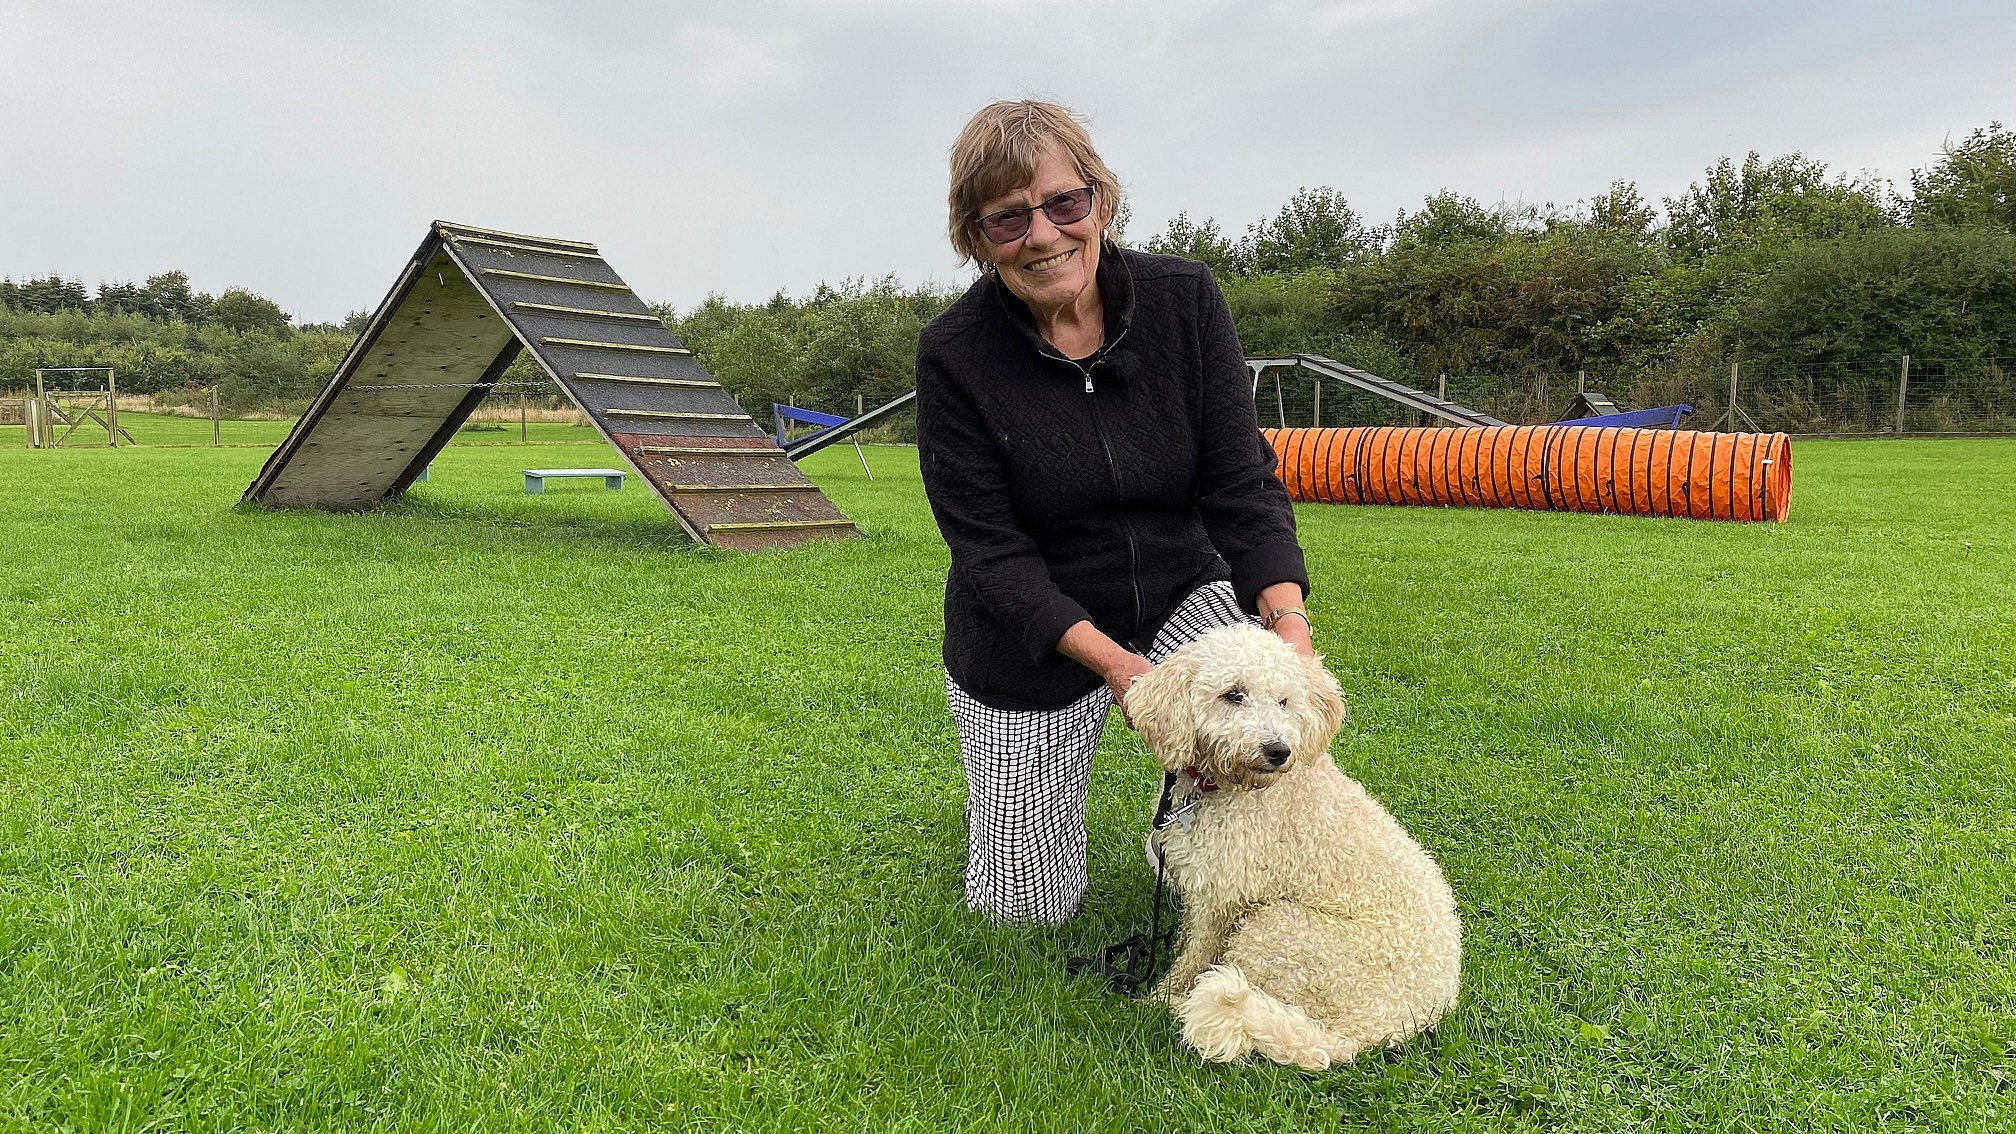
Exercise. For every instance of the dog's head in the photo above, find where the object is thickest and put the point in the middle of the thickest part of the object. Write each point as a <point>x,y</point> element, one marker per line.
<point>1239,705</point>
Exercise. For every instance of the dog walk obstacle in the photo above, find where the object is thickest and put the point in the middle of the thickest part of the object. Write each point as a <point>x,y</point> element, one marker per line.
<point>1563,467</point>
<point>1592,408</point>
<point>838,428</point>
<point>1369,382</point>
<point>466,304</point>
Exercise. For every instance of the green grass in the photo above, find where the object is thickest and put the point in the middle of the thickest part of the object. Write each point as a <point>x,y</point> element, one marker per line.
<point>491,811</point>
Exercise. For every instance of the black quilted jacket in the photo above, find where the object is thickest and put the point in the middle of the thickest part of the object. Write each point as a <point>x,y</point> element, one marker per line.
<point>1103,489</point>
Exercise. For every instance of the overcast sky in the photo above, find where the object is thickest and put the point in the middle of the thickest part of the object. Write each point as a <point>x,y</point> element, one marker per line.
<point>299,147</point>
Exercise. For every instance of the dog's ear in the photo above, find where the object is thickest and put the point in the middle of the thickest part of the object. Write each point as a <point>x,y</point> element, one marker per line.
<point>1326,702</point>
<point>1158,704</point>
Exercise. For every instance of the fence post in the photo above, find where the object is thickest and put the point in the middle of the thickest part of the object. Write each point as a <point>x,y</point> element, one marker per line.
<point>42,413</point>
<point>1316,403</point>
<point>112,406</point>
<point>216,422</point>
<point>28,419</point>
<point>1581,381</point>
<point>1733,369</point>
<point>1442,386</point>
<point>523,434</point>
<point>1903,385</point>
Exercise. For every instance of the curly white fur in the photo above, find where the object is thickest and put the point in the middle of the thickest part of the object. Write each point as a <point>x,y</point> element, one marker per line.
<point>1314,928</point>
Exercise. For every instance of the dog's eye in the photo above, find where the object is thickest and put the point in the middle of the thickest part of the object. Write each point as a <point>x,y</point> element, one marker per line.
<point>1235,695</point>
<point>1284,702</point>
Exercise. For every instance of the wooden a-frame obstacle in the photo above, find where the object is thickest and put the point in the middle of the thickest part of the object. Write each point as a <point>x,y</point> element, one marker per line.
<point>468,301</point>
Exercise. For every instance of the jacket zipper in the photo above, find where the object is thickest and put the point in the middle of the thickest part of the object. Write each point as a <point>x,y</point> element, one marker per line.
<point>1113,470</point>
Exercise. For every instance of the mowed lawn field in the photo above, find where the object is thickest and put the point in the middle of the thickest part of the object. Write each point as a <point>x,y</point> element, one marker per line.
<point>496,812</point>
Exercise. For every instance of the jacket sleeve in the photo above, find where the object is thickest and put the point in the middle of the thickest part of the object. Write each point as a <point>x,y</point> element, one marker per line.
<point>1245,508</point>
<point>966,481</point>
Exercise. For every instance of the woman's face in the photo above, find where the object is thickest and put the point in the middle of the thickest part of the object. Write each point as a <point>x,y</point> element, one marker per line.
<point>1050,267</point>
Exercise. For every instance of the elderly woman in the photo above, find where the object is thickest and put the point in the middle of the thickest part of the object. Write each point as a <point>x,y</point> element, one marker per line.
<point>1090,449</point>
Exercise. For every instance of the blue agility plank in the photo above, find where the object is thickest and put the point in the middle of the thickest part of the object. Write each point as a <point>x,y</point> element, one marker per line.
<point>1667,417</point>
<point>780,415</point>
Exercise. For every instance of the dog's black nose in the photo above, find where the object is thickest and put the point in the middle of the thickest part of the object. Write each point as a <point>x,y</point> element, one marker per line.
<point>1274,753</point>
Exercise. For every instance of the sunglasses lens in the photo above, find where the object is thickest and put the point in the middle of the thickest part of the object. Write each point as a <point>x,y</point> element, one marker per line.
<point>1005,227</point>
<point>1068,208</point>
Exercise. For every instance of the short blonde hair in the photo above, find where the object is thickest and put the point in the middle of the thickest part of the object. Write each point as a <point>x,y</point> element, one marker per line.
<point>997,153</point>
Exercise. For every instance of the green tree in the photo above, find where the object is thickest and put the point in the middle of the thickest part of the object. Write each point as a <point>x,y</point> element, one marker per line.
<point>167,296</point>
<point>1620,212</point>
<point>240,310</point>
<point>51,294</point>
<point>1183,237</point>
<point>1974,183</point>
<point>258,370</point>
<point>1938,292</point>
<point>1315,229</point>
<point>1527,304</point>
<point>1762,205</point>
<point>1445,219</point>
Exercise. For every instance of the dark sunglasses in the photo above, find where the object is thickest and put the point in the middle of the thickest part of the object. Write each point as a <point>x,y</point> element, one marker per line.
<point>1010,225</point>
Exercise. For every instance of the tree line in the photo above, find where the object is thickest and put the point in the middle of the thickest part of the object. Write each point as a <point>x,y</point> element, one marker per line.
<point>1778,263</point>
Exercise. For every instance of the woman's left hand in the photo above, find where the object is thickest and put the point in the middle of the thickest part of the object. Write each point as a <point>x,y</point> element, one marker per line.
<point>1294,630</point>
<point>1281,607</point>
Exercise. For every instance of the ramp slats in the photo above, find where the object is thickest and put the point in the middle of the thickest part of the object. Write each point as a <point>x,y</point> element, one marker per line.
<point>596,344</point>
<point>696,383</point>
<point>564,281</point>
<point>584,312</point>
<point>438,340</point>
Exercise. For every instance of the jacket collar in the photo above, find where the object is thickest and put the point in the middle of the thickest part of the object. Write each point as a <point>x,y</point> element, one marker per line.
<point>1115,281</point>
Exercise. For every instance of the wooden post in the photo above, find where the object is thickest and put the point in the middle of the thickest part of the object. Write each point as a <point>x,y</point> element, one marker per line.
<point>1581,381</point>
<point>1903,387</point>
<point>112,407</point>
<point>41,414</point>
<point>28,420</point>
<point>1316,404</point>
<point>216,422</point>
<point>524,433</point>
<point>1442,385</point>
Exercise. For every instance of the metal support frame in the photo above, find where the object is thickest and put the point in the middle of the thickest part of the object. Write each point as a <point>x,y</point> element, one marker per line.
<point>1369,382</point>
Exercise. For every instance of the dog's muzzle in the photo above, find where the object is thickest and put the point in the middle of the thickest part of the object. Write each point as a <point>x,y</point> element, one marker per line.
<point>1273,755</point>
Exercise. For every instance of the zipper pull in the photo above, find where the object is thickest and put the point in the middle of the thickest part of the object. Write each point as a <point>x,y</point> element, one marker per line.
<point>1088,381</point>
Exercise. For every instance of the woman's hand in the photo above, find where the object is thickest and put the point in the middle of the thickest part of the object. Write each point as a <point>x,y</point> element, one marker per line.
<point>1282,610</point>
<point>1115,664</point>
<point>1120,677</point>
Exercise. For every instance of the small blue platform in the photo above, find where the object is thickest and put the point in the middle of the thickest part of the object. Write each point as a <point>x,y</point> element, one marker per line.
<point>535,479</point>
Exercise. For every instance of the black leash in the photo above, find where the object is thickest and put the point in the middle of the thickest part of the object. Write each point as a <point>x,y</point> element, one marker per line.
<point>1130,965</point>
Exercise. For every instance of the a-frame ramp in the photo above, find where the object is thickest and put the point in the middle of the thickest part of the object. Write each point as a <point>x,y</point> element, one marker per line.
<point>469,300</point>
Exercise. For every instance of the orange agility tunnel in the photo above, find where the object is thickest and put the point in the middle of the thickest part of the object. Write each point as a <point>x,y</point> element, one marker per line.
<point>1554,468</point>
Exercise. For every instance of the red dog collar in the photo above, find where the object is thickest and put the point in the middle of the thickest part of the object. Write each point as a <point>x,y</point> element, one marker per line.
<point>1205,784</point>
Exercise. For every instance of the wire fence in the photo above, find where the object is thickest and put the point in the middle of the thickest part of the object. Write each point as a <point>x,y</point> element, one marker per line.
<point>196,417</point>
<point>1900,396</point>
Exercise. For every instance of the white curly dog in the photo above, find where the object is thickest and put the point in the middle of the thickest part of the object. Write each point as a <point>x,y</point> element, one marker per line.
<point>1314,928</point>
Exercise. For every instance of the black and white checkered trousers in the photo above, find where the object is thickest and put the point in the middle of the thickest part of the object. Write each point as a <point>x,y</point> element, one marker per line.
<point>1027,775</point>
